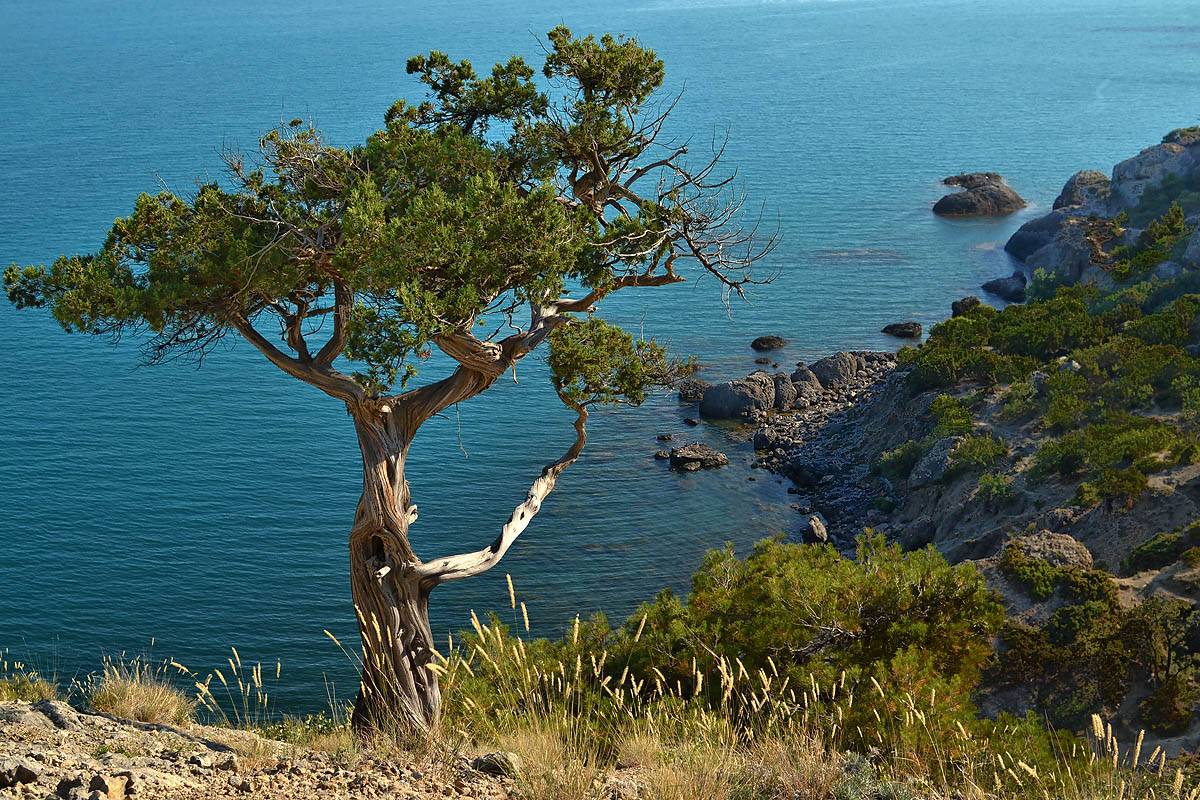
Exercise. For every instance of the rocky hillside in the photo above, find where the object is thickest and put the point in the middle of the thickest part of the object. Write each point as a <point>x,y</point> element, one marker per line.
<point>1054,444</point>
<point>51,750</point>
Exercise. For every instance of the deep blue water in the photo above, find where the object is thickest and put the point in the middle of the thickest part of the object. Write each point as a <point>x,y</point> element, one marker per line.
<point>210,508</point>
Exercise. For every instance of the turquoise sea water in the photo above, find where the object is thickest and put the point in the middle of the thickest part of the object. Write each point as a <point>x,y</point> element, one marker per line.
<point>210,508</point>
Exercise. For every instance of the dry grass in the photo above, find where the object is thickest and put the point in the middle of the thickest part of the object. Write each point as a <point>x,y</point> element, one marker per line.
<point>555,765</point>
<point>18,681</point>
<point>136,690</point>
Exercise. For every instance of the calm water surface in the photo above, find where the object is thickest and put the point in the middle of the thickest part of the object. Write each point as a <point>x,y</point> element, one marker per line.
<point>210,508</point>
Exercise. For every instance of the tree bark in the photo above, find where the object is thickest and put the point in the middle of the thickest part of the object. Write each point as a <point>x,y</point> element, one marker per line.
<point>391,599</point>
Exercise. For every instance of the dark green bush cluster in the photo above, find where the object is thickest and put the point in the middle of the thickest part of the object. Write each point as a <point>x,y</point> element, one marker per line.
<point>1159,238</point>
<point>1115,456</point>
<point>1039,578</point>
<point>1161,550</point>
<point>1091,651</point>
<point>1157,201</point>
<point>950,417</point>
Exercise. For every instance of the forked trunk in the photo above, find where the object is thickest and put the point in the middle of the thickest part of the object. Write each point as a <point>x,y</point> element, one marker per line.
<point>391,601</point>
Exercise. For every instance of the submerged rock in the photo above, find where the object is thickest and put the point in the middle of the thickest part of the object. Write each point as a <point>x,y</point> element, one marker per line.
<point>696,456</point>
<point>768,343</point>
<point>903,330</point>
<point>985,194</point>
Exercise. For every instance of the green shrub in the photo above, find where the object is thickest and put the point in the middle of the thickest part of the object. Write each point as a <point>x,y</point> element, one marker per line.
<point>1036,576</point>
<point>1117,487</point>
<point>994,489</point>
<point>1191,557</point>
<point>1168,709</point>
<point>977,452</point>
<point>951,416</point>
<point>899,463</point>
<point>1156,553</point>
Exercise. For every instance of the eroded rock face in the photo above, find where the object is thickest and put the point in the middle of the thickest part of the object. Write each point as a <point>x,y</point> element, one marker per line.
<point>736,399</point>
<point>695,456</point>
<point>932,467</point>
<point>903,330</point>
<point>836,369</point>
<point>1057,549</point>
<point>985,194</point>
<point>1011,289</point>
<point>1086,192</point>
<point>1147,169</point>
<point>1068,253</point>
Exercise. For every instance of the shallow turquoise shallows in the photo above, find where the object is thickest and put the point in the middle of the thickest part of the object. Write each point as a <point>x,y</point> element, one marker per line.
<point>210,508</point>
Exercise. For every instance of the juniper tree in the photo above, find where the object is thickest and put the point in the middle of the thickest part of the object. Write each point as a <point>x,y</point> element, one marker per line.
<point>485,221</point>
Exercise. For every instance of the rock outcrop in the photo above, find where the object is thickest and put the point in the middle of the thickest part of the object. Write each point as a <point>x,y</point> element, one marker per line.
<point>984,194</point>
<point>837,369</point>
<point>736,399</point>
<point>960,307</point>
<point>1011,289</point>
<point>695,456</point>
<point>1087,191</point>
<point>691,390</point>
<point>903,330</point>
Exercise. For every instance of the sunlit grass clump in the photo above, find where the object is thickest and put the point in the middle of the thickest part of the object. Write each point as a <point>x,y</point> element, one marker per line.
<point>19,681</point>
<point>136,689</point>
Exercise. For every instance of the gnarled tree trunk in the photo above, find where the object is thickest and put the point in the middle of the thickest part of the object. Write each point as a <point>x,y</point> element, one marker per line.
<point>391,585</point>
<point>391,597</point>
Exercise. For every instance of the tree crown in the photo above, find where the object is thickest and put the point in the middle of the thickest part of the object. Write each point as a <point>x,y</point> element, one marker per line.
<point>489,203</point>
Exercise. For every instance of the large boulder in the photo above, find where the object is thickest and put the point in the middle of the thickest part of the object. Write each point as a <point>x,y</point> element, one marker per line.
<point>933,465</point>
<point>785,391</point>
<point>1035,234</point>
<point>1085,193</point>
<point>736,399</point>
<point>814,530</point>
<point>694,456</point>
<point>1191,256</point>
<point>1147,169</point>
<point>805,381</point>
<point>1058,549</point>
<point>903,330</point>
<point>1011,289</point>
<point>691,390</point>
<point>985,194</point>
<point>836,369</point>
<point>1068,253</point>
<point>768,343</point>
<point>960,307</point>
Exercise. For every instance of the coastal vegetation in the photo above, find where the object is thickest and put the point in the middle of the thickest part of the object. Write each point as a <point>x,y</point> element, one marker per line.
<point>484,222</point>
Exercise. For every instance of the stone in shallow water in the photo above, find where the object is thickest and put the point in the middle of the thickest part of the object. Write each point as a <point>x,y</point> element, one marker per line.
<point>768,343</point>
<point>903,330</point>
<point>694,456</point>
